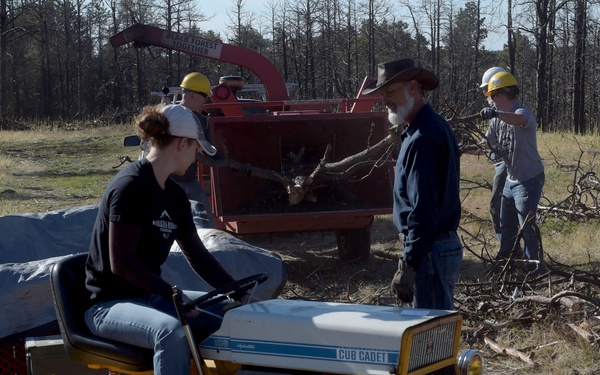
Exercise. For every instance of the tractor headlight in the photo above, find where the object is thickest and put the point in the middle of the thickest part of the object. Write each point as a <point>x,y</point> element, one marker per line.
<point>471,362</point>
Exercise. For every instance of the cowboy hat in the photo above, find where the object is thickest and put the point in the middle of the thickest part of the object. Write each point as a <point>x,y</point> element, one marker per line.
<point>402,70</point>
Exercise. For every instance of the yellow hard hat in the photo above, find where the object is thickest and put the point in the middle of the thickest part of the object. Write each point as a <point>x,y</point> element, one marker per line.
<point>196,82</point>
<point>499,81</point>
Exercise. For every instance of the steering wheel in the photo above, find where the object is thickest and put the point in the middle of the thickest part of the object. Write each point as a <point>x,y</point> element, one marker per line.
<point>234,290</point>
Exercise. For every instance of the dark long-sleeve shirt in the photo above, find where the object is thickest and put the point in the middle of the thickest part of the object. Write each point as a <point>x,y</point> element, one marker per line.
<point>426,187</point>
<point>162,216</point>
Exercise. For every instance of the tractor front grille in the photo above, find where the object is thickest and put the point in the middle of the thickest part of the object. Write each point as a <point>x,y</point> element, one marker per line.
<point>432,345</point>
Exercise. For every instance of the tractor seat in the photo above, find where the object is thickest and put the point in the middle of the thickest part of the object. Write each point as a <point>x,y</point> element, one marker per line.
<point>70,301</point>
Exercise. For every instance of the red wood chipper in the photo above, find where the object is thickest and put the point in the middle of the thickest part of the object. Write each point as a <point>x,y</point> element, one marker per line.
<point>287,143</point>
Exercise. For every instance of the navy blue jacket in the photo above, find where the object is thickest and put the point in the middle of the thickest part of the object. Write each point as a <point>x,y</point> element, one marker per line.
<point>426,186</point>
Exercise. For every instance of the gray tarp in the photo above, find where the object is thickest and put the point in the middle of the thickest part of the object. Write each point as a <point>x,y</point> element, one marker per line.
<point>31,243</point>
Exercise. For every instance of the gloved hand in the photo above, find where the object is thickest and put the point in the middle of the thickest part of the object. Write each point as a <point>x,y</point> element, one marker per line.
<point>488,113</point>
<point>403,283</point>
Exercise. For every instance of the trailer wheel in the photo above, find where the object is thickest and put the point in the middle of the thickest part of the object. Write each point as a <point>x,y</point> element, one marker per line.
<point>354,245</point>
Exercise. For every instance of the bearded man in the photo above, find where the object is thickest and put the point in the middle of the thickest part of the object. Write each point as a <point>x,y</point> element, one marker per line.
<point>426,188</point>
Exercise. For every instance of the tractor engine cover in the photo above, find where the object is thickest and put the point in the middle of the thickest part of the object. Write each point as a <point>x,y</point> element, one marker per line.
<point>335,337</point>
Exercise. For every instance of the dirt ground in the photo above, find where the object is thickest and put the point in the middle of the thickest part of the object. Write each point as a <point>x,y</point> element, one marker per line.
<point>315,271</point>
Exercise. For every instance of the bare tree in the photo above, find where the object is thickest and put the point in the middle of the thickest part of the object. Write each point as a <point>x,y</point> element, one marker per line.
<point>544,15</point>
<point>462,41</point>
<point>510,38</point>
<point>579,69</point>
<point>116,81</point>
<point>3,55</point>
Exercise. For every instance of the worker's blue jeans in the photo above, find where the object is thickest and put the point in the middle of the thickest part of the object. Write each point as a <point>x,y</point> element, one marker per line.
<point>152,323</point>
<point>496,206</point>
<point>438,273</point>
<point>496,200</point>
<point>521,198</point>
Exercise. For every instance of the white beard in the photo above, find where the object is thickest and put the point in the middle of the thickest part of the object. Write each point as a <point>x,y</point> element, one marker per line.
<point>399,116</point>
<point>395,118</point>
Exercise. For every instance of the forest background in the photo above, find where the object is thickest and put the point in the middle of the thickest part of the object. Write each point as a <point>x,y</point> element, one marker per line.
<point>57,66</point>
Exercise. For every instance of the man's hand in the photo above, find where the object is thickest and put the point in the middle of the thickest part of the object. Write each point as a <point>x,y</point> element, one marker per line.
<point>403,282</point>
<point>488,113</point>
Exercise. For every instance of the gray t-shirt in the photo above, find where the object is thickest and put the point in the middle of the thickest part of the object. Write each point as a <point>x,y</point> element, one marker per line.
<point>517,145</point>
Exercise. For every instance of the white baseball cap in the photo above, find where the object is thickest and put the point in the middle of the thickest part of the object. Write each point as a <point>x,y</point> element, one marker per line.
<point>183,123</point>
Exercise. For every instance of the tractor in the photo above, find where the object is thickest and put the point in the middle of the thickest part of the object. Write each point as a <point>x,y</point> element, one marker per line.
<point>278,336</point>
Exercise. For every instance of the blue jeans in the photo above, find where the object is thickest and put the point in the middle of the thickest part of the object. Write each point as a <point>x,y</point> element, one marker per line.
<point>496,205</point>
<point>438,273</point>
<point>151,322</point>
<point>521,198</point>
<point>496,200</point>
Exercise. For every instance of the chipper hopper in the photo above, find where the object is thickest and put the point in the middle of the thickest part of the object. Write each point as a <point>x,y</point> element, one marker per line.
<point>292,149</point>
<point>293,145</point>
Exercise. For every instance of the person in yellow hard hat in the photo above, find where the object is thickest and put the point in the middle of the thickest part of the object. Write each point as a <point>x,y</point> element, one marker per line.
<point>500,166</point>
<point>500,172</point>
<point>513,131</point>
<point>195,92</point>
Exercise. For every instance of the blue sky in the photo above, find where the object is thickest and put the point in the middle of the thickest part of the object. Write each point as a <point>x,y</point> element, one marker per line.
<point>220,20</point>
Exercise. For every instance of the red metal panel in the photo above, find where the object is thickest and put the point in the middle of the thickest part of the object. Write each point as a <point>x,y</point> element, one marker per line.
<point>253,205</point>
<point>308,222</point>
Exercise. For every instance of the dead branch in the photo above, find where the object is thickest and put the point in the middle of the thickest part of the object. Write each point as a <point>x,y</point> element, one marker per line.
<point>123,160</point>
<point>454,121</point>
<point>509,351</point>
<point>385,255</point>
<point>478,334</point>
<point>584,193</point>
<point>580,276</point>
<point>577,295</point>
<point>561,298</point>
<point>587,336</point>
<point>239,166</point>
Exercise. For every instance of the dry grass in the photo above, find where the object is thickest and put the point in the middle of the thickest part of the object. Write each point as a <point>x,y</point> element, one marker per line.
<point>48,170</point>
